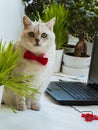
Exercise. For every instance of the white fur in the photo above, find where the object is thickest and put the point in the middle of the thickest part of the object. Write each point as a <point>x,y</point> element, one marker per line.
<point>40,72</point>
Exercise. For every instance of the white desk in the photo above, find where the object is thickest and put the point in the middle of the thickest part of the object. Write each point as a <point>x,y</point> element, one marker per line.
<point>51,116</point>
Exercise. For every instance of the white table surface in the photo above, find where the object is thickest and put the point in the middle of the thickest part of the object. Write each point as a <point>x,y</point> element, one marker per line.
<point>52,116</point>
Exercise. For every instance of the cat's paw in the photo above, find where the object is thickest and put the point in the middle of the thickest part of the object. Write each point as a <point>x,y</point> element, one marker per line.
<point>21,107</point>
<point>35,106</point>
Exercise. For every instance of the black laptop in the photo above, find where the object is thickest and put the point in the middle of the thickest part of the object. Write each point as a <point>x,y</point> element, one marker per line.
<point>78,93</point>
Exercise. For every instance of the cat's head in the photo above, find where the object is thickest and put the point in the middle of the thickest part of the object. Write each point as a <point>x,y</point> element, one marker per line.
<point>37,37</point>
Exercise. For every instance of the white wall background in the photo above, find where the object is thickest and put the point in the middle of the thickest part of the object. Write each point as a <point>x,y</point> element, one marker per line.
<point>11,13</point>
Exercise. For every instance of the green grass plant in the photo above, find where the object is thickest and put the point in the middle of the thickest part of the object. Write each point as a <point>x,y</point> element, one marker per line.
<point>61,25</point>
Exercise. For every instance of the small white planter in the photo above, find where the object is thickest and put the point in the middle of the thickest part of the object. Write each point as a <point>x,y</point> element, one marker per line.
<point>76,62</point>
<point>1,93</point>
<point>58,60</point>
<point>75,65</point>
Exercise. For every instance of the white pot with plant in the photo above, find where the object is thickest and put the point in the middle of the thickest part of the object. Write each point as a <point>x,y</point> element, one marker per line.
<point>60,29</point>
<point>75,65</point>
<point>9,59</point>
<point>77,62</point>
<point>83,23</point>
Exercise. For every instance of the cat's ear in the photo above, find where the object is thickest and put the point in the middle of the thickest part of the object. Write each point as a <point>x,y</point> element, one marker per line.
<point>27,22</point>
<point>51,23</point>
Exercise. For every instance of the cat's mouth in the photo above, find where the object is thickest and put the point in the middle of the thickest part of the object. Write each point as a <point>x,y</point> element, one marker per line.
<point>37,45</point>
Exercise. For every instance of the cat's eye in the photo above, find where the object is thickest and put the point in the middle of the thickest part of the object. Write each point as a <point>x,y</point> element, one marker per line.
<point>43,35</point>
<point>31,34</point>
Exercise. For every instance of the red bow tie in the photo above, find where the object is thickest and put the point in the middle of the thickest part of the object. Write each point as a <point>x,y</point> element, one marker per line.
<point>41,59</point>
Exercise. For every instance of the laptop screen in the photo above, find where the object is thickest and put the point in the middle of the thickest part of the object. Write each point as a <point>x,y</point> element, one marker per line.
<point>93,71</point>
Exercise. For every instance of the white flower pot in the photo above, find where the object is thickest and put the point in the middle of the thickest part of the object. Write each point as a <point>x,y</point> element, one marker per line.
<point>1,93</point>
<point>76,62</point>
<point>58,60</point>
<point>75,65</point>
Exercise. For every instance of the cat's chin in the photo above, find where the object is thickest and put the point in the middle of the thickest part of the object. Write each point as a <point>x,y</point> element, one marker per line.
<point>37,50</point>
<point>37,45</point>
<point>38,53</point>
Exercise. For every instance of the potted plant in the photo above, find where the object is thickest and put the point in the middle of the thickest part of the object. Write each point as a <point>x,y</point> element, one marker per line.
<point>82,24</point>
<point>9,59</point>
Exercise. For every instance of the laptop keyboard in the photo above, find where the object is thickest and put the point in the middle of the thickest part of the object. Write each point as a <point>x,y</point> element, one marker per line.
<point>78,90</point>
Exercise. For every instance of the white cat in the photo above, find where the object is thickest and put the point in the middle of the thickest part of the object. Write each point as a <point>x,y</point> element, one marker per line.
<point>37,38</point>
